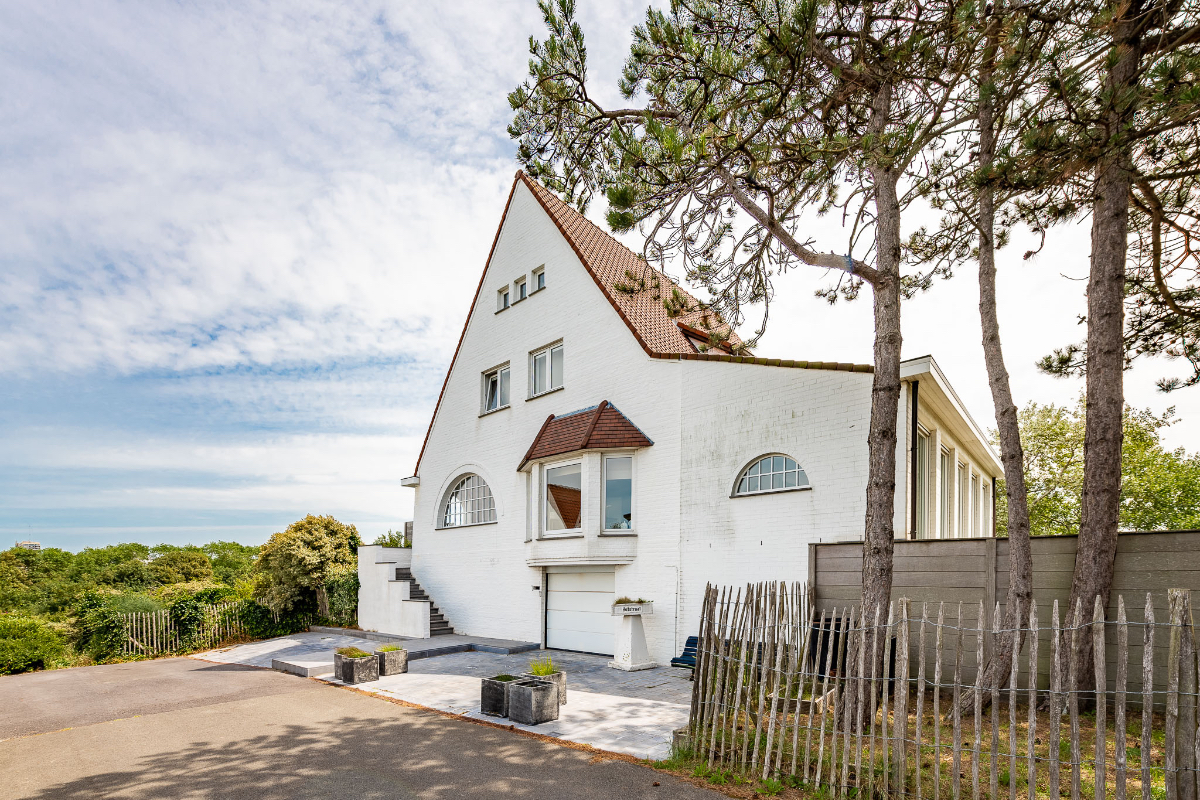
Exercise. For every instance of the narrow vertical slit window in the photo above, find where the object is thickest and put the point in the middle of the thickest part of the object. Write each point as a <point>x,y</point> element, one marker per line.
<point>502,301</point>
<point>945,483</point>
<point>539,279</point>
<point>964,527</point>
<point>974,505</point>
<point>522,289</point>
<point>921,486</point>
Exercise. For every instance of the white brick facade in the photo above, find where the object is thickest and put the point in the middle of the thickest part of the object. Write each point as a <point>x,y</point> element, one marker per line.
<point>708,420</point>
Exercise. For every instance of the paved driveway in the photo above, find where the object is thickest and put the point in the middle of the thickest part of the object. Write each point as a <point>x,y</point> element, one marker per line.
<point>624,712</point>
<point>189,729</point>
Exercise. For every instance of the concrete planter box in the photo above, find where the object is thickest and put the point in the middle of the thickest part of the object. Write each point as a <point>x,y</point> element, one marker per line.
<point>633,609</point>
<point>392,662</point>
<point>559,679</point>
<point>532,702</point>
<point>355,670</point>
<point>494,696</point>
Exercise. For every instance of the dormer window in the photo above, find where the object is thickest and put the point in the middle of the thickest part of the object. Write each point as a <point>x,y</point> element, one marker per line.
<point>502,300</point>
<point>495,390</point>
<point>522,290</point>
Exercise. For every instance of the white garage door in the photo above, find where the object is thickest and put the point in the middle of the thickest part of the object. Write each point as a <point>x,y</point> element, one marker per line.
<point>579,611</point>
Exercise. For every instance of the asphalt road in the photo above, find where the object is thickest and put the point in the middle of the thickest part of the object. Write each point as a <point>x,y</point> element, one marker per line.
<point>181,728</point>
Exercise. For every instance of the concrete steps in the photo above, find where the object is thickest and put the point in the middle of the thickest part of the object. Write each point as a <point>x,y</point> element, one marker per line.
<point>438,624</point>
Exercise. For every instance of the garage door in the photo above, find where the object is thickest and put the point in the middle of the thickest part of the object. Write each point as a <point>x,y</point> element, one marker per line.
<point>579,611</point>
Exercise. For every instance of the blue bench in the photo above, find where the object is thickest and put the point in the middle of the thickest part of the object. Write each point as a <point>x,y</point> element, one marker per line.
<point>688,659</point>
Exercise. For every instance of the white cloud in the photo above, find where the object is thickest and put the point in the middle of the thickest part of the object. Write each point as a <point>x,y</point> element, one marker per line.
<point>237,244</point>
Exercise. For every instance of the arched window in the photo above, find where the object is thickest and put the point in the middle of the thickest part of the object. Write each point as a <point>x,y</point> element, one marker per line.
<point>774,473</point>
<point>470,502</point>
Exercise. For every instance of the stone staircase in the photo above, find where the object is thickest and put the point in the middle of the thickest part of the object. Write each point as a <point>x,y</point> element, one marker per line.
<point>438,626</point>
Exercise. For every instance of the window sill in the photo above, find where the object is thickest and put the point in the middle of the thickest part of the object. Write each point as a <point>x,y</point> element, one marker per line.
<point>617,534</point>
<point>735,495</point>
<point>543,394</point>
<point>489,413</point>
<point>535,291</point>
<point>472,525</point>
<point>571,535</point>
<point>506,308</point>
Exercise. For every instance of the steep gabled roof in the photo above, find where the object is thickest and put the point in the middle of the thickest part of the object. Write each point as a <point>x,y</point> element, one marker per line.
<point>613,266</point>
<point>600,427</point>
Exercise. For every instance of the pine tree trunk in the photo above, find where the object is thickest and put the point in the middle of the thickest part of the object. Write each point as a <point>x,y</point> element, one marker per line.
<point>879,534</point>
<point>1020,558</point>
<point>1097,547</point>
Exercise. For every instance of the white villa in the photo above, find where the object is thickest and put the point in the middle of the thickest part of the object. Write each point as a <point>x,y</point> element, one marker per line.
<point>589,446</point>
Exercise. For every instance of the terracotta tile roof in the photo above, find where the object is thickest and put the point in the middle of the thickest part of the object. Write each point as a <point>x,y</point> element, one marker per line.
<point>838,366</point>
<point>601,427</point>
<point>612,264</point>
<point>606,260</point>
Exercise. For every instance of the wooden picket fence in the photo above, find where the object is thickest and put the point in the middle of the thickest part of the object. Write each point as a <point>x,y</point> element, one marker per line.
<point>784,693</point>
<point>153,632</point>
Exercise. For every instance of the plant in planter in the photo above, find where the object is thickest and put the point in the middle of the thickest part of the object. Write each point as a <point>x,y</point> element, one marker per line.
<point>494,695</point>
<point>393,659</point>
<point>352,665</point>
<point>533,701</point>
<point>544,669</point>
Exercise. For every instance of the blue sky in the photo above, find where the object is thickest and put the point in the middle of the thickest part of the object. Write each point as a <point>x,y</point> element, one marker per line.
<point>238,241</point>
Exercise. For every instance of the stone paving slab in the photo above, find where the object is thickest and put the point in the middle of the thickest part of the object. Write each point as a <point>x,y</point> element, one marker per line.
<point>435,645</point>
<point>305,668</point>
<point>641,728</point>
<point>625,712</point>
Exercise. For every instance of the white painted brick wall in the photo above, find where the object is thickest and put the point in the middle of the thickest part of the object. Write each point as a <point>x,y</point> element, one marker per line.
<point>707,420</point>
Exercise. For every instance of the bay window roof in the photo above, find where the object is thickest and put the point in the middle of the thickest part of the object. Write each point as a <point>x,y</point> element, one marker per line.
<point>599,427</point>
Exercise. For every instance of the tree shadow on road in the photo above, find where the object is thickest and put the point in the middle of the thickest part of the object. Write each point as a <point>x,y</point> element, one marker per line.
<point>416,755</point>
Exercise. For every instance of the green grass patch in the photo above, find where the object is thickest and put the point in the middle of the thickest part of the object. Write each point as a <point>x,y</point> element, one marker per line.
<point>353,652</point>
<point>389,648</point>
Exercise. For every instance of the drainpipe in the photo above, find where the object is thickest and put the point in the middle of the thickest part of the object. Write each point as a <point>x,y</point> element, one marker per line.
<point>913,389</point>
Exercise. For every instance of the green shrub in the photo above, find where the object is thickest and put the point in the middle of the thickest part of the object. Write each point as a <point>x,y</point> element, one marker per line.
<point>352,652</point>
<point>134,604</point>
<point>214,595</point>
<point>505,678</point>
<point>27,644</point>
<point>260,623</point>
<point>187,614</point>
<point>542,667</point>
<point>393,539</point>
<point>99,630</point>
<point>181,566</point>
<point>342,590</point>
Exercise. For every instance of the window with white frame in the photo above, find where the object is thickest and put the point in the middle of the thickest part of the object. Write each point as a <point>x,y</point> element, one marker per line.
<point>469,502</point>
<point>964,502</point>
<point>502,299</point>
<point>974,504</point>
<point>921,486</point>
<point>774,473</point>
<point>945,485</point>
<point>522,289</point>
<point>564,498</point>
<point>539,279</point>
<point>495,389</point>
<point>546,370</point>
<point>618,493</point>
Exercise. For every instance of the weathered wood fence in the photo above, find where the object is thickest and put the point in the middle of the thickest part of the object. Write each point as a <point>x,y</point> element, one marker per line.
<point>787,692</point>
<point>154,632</point>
